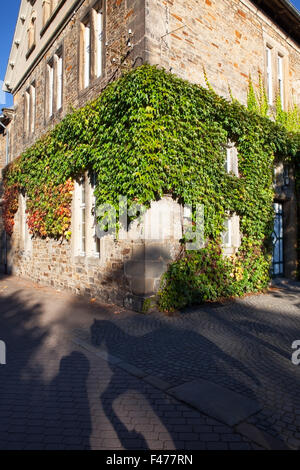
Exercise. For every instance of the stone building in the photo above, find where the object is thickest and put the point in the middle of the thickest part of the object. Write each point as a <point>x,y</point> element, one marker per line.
<point>65,52</point>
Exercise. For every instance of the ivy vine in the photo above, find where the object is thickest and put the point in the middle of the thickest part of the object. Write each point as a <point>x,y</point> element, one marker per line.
<point>151,133</point>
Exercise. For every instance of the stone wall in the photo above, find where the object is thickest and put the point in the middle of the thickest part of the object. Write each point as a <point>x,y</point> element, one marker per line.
<point>226,37</point>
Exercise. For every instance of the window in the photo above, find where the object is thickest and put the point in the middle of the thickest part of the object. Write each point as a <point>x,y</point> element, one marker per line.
<point>50,87</point>
<point>46,11</point>
<point>91,46</point>
<point>231,238</point>
<point>29,114</point>
<point>99,33</point>
<point>231,159</point>
<point>96,240</point>
<point>277,239</point>
<point>227,234</point>
<point>59,78</point>
<point>280,79</point>
<point>55,83</point>
<point>32,108</point>
<point>82,223</point>
<point>86,241</point>
<point>269,75</point>
<point>27,111</point>
<point>31,34</point>
<point>50,10</point>
<point>87,54</point>
<point>25,238</point>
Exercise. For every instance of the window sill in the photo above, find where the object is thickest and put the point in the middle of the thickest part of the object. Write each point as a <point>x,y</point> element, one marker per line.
<point>51,18</point>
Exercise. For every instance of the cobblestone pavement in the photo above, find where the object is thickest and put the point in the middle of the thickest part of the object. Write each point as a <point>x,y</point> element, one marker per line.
<point>56,395</point>
<point>244,346</point>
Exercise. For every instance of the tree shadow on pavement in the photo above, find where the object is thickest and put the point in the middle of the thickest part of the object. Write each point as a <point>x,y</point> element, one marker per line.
<point>35,412</point>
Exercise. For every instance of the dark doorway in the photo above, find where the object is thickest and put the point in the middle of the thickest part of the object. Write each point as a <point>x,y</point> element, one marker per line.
<point>277,238</point>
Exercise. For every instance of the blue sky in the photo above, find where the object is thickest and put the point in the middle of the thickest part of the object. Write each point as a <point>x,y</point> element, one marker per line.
<point>9,13</point>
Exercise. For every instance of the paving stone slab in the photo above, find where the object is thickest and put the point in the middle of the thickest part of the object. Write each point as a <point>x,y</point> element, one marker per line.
<point>216,401</point>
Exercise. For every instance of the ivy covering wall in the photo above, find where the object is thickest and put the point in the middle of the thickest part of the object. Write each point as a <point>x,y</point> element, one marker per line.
<point>151,133</point>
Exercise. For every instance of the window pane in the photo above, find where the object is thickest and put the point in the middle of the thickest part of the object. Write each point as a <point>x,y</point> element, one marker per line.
<point>83,192</point>
<point>50,90</point>
<point>228,160</point>
<point>280,79</point>
<point>27,112</point>
<point>32,113</point>
<point>269,75</point>
<point>87,41</point>
<point>226,235</point>
<point>83,230</point>
<point>59,82</point>
<point>99,34</point>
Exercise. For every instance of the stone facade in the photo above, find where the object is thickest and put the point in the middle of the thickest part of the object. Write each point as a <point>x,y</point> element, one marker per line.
<point>228,38</point>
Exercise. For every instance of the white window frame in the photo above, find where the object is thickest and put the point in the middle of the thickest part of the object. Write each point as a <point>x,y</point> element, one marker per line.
<point>99,41</point>
<point>50,68</point>
<point>231,163</point>
<point>227,232</point>
<point>269,74</point>
<point>32,107</point>
<point>86,53</point>
<point>59,79</point>
<point>96,242</point>
<point>86,243</point>
<point>228,164</point>
<point>82,220</point>
<point>26,240</point>
<point>27,111</point>
<point>280,79</point>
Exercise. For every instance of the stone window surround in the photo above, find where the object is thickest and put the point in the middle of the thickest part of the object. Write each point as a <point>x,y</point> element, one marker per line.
<point>233,220</point>
<point>89,15</point>
<point>231,163</point>
<point>276,50</point>
<point>25,237</point>
<point>234,236</point>
<point>52,14</point>
<point>59,52</point>
<point>31,34</point>
<point>29,110</point>
<point>91,255</point>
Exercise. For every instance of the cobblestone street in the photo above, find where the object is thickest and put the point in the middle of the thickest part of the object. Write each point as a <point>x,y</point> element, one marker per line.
<point>56,394</point>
